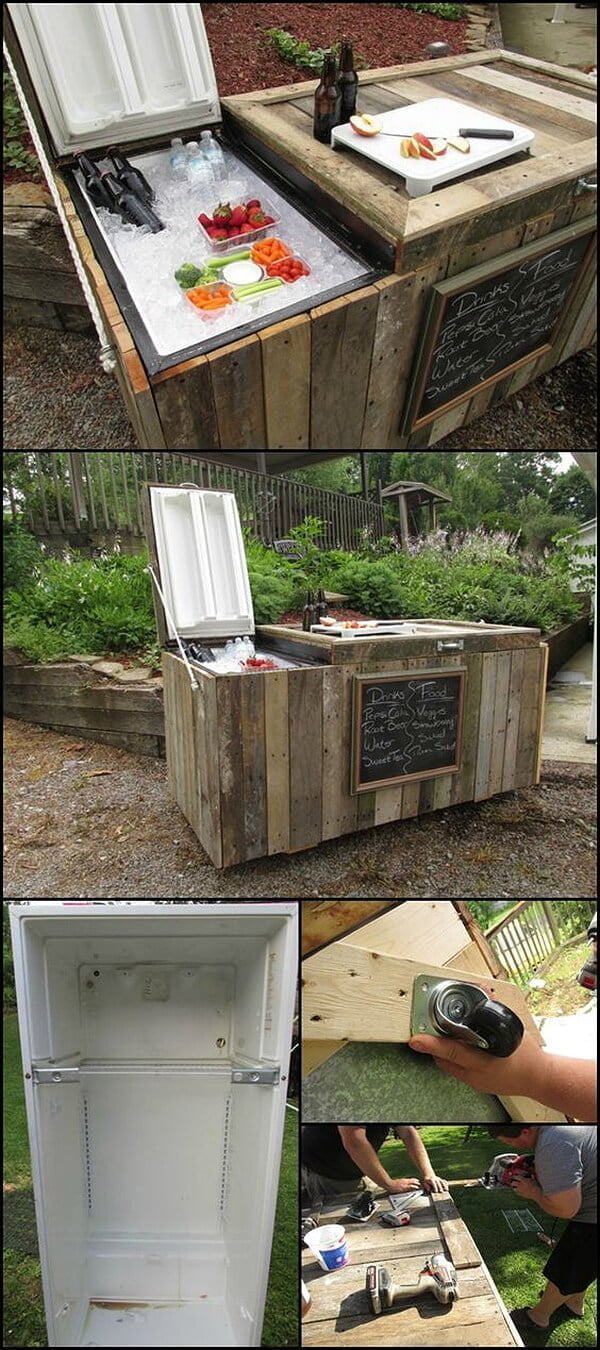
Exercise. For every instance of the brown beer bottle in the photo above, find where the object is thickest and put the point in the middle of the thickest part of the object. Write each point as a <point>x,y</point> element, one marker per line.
<point>347,81</point>
<point>328,102</point>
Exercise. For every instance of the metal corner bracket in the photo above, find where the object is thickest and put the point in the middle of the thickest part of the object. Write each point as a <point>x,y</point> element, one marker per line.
<point>267,1077</point>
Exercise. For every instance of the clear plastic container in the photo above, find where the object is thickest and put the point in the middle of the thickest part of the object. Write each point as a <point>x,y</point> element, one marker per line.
<point>178,157</point>
<point>241,240</point>
<point>211,287</point>
<point>297,258</point>
<point>198,171</point>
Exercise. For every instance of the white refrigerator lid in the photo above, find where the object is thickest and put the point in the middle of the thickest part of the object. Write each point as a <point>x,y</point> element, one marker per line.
<point>117,73</point>
<point>202,563</point>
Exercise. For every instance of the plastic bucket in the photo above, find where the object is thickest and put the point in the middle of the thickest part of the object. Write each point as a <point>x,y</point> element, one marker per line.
<point>329,1246</point>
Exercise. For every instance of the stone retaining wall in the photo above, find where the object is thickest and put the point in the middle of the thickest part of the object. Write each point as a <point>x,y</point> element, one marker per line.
<point>40,285</point>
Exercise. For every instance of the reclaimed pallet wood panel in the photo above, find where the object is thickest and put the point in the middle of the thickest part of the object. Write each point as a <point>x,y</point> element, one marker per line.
<point>204,765</point>
<point>286,365</point>
<point>515,690</point>
<point>564,107</point>
<point>500,722</point>
<point>186,406</point>
<point>533,694</point>
<point>400,301</point>
<point>306,752</point>
<point>342,343</point>
<point>458,1241</point>
<point>231,771</point>
<point>254,784</point>
<point>236,376</point>
<point>277,763</point>
<point>530,68</point>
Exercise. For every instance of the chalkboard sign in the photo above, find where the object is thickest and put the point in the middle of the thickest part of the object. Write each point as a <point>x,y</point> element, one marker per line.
<point>406,726</point>
<point>489,320</point>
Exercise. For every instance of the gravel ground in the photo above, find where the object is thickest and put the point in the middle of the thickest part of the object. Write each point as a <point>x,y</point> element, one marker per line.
<point>87,820</point>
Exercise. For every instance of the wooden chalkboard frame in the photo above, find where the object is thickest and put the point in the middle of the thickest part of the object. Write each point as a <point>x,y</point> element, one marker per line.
<point>360,681</point>
<point>444,291</point>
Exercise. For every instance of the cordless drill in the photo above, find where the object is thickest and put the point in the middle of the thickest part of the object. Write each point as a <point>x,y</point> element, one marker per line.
<point>438,1277</point>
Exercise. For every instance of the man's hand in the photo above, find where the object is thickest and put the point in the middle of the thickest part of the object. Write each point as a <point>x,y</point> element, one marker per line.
<point>432,1183</point>
<point>515,1076</point>
<point>404,1184</point>
<point>527,1188</point>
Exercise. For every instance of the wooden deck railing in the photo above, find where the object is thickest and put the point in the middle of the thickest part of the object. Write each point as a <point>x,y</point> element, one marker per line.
<point>524,938</point>
<point>89,500</point>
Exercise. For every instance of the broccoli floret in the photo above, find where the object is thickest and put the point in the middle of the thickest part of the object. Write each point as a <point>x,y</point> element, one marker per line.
<point>188,275</point>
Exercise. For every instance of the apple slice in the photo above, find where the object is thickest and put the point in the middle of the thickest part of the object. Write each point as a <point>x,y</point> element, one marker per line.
<point>404,148</point>
<point>364,125</point>
<point>422,140</point>
<point>414,149</point>
<point>460,143</point>
<point>425,153</point>
<point>439,147</point>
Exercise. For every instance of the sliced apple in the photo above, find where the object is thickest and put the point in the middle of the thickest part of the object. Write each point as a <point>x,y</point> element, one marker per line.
<point>414,149</point>
<point>424,153</point>
<point>404,148</point>
<point>364,125</point>
<point>439,147</point>
<point>423,140</point>
<point>460,143</point>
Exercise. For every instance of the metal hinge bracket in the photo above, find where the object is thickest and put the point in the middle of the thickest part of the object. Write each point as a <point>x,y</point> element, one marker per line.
<point>269,1077</point>
<point>55,1075</point>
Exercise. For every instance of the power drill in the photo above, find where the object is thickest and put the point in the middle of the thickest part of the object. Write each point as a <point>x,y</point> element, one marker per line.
<point>438,1277</point>
<point>506,1168</point>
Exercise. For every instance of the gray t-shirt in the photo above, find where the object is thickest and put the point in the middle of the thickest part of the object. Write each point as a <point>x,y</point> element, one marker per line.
<point>565,1156</point>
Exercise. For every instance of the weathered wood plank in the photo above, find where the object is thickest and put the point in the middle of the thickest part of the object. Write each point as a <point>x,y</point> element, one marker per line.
<point>547,67</point>
<point>277,762</point>
<point>236,375</point>
<point>186,408</point>
<point>342,343</point>
<point>254,782</point>
<point>286,374</point>
<point>500,722</point>
<point>531,693</point>
<point>461,1248</point>
<point>231,768</point>
<point>486,723</point>
<point>561,105</point>
<point>325,921</point>
<point>237,103</point>
<point>512,720</point>
<point>399,300</point>
<point>306,757</point>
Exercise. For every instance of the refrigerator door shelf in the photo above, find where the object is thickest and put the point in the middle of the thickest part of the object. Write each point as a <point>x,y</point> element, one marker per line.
<point>202,562</point>
<point>117,72</point>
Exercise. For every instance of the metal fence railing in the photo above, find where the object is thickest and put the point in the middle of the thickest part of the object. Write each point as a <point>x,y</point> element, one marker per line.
<point>90,499</point>
<point>526,937</point>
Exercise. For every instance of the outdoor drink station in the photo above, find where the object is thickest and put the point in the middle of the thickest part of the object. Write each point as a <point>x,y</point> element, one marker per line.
<point>262,288</point>
<point>279,739</point>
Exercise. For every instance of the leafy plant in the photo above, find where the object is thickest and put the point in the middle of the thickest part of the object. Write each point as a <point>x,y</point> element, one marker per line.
<point>16,153</point>
<point>22,556</point>
<point>300,54</point>
<point>440,11</point>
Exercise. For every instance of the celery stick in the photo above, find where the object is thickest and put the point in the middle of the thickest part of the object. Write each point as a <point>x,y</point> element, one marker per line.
<point>227,258</point>
<point>256,288</point>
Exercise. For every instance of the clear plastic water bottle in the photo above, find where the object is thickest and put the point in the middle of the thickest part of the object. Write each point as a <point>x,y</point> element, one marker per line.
<point>197,168</point>
<point>177,157</point>
<point>213,154</point>
<point>248,647</point>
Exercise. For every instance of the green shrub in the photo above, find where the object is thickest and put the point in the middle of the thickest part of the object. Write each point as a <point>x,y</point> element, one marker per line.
<point>15,152</point>
<point>22,556</point>
<point>82,605</point>
<point>302,55</point>
<point>440,11</point>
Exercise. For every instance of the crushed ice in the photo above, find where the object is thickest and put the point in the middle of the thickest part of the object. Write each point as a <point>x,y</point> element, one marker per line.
<point>147,261</point>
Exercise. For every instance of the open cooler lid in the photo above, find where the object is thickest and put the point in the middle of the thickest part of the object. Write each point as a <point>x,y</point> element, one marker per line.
<point>108,74</point>
<point>202,562</point>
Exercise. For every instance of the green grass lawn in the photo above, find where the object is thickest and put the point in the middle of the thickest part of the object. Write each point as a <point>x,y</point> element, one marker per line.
<point>24,1321</point>
<point>515,1260</point>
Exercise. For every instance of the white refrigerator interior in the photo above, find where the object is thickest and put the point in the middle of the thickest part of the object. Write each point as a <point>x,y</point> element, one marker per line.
<point>155,1043</point>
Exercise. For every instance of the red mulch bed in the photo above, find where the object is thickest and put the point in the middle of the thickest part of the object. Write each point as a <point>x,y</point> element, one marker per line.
<point>293,618</point>
<point>384,35</point>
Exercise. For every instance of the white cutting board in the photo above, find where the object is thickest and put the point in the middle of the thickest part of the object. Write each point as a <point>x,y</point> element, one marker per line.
<point>434,117</point>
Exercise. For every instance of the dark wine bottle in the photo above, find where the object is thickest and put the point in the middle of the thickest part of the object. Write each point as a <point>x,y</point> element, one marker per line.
<point>309,613</point>
<point>128,206</point>
<point>322,607</point>
<point>328,102</point>
<point>347,81</point>
<point>95,188</point>
<point>131,177</point>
